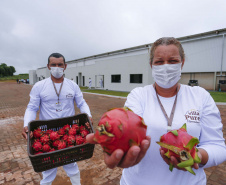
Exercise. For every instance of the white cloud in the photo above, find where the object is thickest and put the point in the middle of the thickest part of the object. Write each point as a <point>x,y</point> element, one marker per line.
<point>32,30</point>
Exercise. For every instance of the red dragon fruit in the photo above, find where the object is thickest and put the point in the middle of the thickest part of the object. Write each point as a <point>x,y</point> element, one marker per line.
<point>72,131</point>
<point>37,133</point>
<point>75,126</point>
<point>48,131</point>
<point>66,127</point>
<point>65,137</point>
<point>120,128</point>
<point>52,150</point>
<point>81,128</point>
<point>79,140</point>
<point>39,152</point>
<point>46,148</point>
<point>37,146</point>
<point>84,133</point>
<point>44,139</point>
<point>71,140</point>
<point>61,132</point>
<point>55,143</point>
<point>62,145</point>
<point>54,136</point>
<point>180,144</point>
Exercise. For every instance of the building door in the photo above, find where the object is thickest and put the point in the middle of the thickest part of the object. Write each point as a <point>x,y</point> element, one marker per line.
<point>99,81</point>
<point>79,79</point>
<point>83,81</point>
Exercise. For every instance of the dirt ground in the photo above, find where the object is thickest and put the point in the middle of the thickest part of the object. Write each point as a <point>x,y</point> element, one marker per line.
<point>15,166</point>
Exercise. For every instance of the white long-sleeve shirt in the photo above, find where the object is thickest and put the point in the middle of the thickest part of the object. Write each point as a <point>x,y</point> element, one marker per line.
<point>44,98</point>
<point>197,109</point>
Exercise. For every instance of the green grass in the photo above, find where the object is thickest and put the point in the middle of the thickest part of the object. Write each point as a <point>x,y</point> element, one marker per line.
<point>14,77</point>
<point>217,96</point>
<point>99,91</point>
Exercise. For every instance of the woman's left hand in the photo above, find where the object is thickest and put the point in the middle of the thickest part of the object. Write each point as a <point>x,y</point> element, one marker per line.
<point>174,161</point>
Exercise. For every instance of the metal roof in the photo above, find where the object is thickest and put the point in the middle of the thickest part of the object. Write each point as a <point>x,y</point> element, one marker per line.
<point>146,46</point>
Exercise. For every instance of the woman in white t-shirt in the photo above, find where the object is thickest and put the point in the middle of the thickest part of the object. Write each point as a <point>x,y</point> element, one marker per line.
<point>147,164</point>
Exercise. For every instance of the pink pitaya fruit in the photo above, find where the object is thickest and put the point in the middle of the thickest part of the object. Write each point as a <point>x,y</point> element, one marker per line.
<point>79,140</point>
<point>66,127</point>
<point>120,128</point>
<point>62,145</point>
<point>37,133</point>
<point>82,127</point>
<point>61,132</point>
<point>75,126</point>
<point>39,152</point>
<point>71,140</point>
<point>55,143</point>
<point>84,133</point>
<point>65,137</point>
<point>72,131</point>
<point>44,139</point>
<point>180,144</point>
<point>46,148</point>
<point>48,132</point>
<point>54,136</point>
<point>52,150</point>
<point>37,146</point>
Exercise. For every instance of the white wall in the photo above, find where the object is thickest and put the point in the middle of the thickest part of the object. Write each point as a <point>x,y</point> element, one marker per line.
<point>202,56</point>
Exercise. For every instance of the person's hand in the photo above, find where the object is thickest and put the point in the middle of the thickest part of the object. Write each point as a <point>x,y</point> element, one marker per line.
<point>134,155</point>
<point>25,132</point>
<point>173,160</point>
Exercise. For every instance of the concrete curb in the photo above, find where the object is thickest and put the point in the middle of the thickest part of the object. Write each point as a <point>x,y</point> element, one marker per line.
<point>111,96</point>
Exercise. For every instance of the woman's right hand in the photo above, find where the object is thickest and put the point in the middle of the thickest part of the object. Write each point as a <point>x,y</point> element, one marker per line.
<point>117,159</point>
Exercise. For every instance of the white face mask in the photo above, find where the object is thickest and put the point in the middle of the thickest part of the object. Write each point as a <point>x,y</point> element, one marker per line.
<point>166,75</point>
<point>57,72</point>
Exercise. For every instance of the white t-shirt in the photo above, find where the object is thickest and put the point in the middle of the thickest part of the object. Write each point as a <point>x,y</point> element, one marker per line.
<point>43,96</point>
<point>197,109</point>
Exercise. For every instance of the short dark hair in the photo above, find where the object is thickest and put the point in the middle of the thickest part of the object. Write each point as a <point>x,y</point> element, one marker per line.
<point>56,55</point>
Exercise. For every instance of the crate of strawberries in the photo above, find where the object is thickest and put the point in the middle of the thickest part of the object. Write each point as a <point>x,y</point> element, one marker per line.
<point>58,142</point>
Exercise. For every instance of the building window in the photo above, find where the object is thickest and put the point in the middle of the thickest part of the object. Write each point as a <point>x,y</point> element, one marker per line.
<point>136,78</point>
<point>115,78</point>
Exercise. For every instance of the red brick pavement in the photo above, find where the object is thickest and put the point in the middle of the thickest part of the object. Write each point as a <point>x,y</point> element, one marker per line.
<point>15,166</point>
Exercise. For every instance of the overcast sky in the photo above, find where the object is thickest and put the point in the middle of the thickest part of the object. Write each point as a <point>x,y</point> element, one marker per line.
<point>30,30</point>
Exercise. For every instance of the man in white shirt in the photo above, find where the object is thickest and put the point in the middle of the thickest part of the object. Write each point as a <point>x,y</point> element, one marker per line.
<point>55,97</point>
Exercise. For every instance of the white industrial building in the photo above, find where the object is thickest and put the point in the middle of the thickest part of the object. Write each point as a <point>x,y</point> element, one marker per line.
<point>125,69</point>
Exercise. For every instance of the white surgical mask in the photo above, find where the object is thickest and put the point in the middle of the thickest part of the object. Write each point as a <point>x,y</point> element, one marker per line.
<point>57,72</point>
<point>166,75</point>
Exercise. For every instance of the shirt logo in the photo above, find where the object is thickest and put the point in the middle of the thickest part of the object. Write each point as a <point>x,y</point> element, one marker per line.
<point>192,115</point>
<point>69,95</point>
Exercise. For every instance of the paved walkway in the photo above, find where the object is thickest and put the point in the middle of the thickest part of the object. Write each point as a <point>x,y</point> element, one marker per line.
<point>15,166</point>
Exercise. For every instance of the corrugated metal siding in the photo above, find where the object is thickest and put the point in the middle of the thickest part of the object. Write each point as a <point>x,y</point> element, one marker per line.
<point>203,55</point>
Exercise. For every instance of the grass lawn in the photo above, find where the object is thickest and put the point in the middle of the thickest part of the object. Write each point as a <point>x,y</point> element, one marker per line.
<point>217,96</point>
<point>14,77</point>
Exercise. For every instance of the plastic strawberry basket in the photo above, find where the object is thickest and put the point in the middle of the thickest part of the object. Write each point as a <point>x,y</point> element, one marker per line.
<point>46,161</point>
